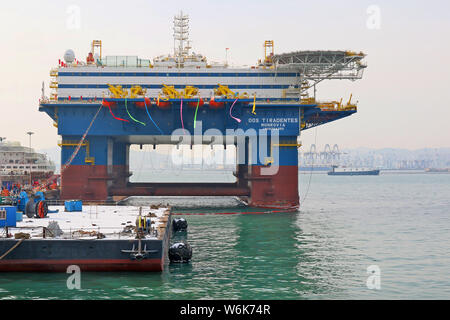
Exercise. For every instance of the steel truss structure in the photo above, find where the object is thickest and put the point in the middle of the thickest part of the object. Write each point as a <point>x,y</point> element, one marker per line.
<point>316,66</point>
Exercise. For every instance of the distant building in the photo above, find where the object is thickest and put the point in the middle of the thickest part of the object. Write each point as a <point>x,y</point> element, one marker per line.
<point>20,164</point>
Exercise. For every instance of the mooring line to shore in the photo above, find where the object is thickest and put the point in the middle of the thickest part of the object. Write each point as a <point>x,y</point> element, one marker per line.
<point>12,248</point>
<point>310,173</point>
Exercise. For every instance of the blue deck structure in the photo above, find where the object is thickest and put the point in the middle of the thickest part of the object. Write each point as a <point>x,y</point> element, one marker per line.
<point>101,168</point>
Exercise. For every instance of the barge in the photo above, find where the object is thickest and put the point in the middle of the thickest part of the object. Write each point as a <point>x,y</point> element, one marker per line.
<point>97,238</point>
<point>353,172</point>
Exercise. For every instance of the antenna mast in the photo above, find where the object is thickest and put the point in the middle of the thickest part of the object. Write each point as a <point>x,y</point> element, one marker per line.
<point>181,36</point>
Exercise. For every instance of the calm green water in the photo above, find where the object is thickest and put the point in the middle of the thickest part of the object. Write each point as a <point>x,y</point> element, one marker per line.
<point>400,222</point>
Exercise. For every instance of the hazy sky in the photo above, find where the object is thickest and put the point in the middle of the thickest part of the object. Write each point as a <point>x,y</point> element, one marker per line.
<point>404,96</point>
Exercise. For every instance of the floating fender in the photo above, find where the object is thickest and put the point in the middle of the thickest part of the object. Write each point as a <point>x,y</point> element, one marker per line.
<point>41,209</point>
<point>180,252</point>
<point>30,208</point>
<point>179,224</point>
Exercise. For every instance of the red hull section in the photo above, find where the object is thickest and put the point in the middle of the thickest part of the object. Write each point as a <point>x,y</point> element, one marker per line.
<point>180,189</point>
<point>90,182</point>
<point>84,182</point>
<point>28,265</point>
<point>278,191</point>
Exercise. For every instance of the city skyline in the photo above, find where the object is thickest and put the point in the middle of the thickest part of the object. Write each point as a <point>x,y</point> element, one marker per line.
<point>384,158</point>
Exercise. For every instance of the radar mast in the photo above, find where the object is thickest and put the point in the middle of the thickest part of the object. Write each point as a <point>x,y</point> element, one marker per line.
<point>180,37</point>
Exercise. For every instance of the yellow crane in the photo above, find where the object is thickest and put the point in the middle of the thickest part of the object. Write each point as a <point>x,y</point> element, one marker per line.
<point>190,92</point>
<point>96,44</point>
<point>137,91</point>
<point>117,91</point>
<point>333,105</point>
<point>170,92</point>
<point>268,52</point>
<point>222,90</point>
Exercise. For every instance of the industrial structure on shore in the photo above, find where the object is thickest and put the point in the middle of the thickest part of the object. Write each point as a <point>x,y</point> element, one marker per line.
<point>104,104</point>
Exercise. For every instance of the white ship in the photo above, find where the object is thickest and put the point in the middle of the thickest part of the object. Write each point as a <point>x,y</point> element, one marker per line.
<point>19,164</point>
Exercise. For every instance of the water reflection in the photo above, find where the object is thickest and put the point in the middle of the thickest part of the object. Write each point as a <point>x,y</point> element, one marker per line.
<point>321,260</point>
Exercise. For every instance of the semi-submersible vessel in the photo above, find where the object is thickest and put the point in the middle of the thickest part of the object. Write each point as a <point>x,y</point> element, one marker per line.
<point>143,101</point>
<point>103,104</point>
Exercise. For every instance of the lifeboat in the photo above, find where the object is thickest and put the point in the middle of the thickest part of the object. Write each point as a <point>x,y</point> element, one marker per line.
<point>109,104</point>
<point>194,103</point>
<point>213,104</point>
<point>141,104</point>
